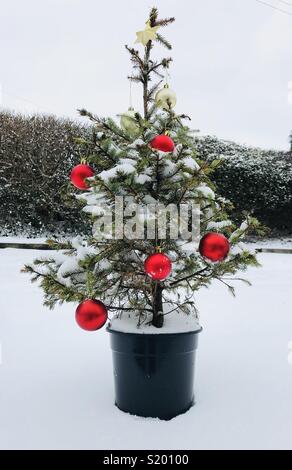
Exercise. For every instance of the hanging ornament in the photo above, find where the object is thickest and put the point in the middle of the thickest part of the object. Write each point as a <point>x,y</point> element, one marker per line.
<point>148,34</point>
<point>163,143</point>
<point>79,174</point>
<point>158,266</point>
<point>129,123</point>
<point>91,315</point>
<point>214,246</point>
<point>165,98</point>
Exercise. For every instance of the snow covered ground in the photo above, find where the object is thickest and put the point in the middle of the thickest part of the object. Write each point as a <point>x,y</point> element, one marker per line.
<point>56,381</point>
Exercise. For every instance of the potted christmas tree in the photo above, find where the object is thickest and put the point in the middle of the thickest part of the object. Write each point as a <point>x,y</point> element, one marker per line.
<point>139,269</point>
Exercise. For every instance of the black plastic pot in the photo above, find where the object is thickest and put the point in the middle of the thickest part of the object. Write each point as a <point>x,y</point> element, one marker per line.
<point>154,373</point>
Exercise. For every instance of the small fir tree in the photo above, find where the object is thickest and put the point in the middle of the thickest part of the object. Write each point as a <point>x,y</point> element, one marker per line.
<point>126,163</point>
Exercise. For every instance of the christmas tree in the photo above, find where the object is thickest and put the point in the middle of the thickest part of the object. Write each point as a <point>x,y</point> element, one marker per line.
<point>149,158</point>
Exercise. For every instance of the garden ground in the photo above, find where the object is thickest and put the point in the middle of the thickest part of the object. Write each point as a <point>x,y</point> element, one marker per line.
<point>56,379</point>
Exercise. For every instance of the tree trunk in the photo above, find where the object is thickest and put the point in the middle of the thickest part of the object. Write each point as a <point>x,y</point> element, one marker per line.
<point>158,318</point>
<point>145,72</point>
<point>157,306</point>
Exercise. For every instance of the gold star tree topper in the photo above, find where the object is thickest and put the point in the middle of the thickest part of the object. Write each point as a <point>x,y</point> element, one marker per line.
<point>148,34</point>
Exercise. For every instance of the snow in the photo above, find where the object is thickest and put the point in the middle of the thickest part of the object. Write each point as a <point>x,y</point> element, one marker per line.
<point>206,191</point>
<point>169,168</point>
<point>91,197</point>
<point>142,178</point>
<point>218,225</point>
<point>95,210</point>
<point>238,232</point>
<point>137,143</point>
<point>57,385</point>
<point>126,166</point>
<point>82,248</point>
<point>173,322</point>
<point>191,163</point>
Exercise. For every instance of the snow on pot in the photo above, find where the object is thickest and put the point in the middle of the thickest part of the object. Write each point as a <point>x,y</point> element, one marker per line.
<point>154,371</point>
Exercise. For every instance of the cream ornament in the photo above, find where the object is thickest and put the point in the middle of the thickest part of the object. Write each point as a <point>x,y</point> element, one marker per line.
<point>148,34</point>
<point>128,122</point>
<point>165,98</point>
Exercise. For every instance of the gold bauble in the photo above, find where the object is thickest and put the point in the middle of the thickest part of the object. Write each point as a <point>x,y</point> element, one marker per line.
<point>165,98</point>
<point>129,123</point>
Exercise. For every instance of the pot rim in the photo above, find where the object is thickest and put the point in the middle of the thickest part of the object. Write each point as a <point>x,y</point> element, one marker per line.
<point>110,330</point>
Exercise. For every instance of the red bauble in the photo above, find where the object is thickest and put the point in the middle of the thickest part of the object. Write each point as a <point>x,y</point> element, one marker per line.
<point>214,246</point>
<point>78,175</point>
<point>91,315</point>
<point>162,143</point>
<point>158,266</point>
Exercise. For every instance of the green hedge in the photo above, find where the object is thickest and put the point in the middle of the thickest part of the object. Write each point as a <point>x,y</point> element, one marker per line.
<point>256,181</point>
<point>38,152</point>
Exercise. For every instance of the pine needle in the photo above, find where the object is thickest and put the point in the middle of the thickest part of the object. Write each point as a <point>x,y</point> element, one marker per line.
<point>163,41</point>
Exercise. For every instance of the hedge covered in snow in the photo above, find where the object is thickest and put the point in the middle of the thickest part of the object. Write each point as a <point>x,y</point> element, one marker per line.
<point>38,152</point>
<point>257,181</point>
<point>36,155</point>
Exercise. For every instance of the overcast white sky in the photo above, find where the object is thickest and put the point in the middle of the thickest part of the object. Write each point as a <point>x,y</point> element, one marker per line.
<point>232,61</point>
